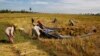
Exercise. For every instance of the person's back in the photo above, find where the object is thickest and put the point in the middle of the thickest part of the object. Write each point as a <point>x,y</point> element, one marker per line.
<point>37,30</point>
<point>10,33</point>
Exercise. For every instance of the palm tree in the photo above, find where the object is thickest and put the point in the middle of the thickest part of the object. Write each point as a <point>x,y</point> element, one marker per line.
<point>30,9</point>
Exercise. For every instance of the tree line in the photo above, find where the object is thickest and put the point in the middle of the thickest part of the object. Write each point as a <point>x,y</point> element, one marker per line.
<point>97,14</point>
<point>15,11</point>
<point>30,11</point>
<point>10,11</point>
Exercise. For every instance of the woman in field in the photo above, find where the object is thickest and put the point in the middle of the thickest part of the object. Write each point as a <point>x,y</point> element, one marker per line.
<point>10,33</point>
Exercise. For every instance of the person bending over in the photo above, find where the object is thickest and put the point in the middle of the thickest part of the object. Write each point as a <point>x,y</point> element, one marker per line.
<point>10,33</point>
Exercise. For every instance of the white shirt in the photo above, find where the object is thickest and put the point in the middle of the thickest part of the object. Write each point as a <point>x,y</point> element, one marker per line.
<point>9,30</point>
<point>37,29</point>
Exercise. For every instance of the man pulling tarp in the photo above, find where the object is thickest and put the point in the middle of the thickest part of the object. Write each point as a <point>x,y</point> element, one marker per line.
<point>48,32</point>
<point>40,29</point>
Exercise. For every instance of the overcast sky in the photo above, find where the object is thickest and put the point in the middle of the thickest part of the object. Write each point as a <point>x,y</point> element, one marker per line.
<point>53,6</point>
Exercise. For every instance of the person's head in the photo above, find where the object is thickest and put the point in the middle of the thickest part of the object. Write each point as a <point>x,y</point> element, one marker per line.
<point>39,21</point>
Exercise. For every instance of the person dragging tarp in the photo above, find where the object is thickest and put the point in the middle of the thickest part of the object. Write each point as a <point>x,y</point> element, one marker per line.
<point>36,31</point>
<point>10,33</point>
<point>40,29</point>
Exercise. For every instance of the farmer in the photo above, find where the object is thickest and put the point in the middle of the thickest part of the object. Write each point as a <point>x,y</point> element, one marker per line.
<point>36,31</point>
<point>71,22</point>
<point>40,24</point>
<point>10,33</point>
<point>54,20</point>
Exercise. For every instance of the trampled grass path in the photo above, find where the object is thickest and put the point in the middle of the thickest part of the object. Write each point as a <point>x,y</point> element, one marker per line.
<point>21,49</point>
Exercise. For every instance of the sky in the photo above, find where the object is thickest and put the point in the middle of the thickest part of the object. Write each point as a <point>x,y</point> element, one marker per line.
<point>53,6</point>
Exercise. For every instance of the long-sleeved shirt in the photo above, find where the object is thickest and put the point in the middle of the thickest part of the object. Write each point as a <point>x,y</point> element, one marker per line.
<point>37,29</point>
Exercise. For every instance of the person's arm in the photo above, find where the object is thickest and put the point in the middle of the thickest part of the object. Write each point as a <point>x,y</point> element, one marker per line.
<point>40,29</point>
<point>12,31</point>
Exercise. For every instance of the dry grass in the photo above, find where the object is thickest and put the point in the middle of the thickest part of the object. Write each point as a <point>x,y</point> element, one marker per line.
<point>72,47</point>
<point>21,49</point>
<point>77,46</point>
